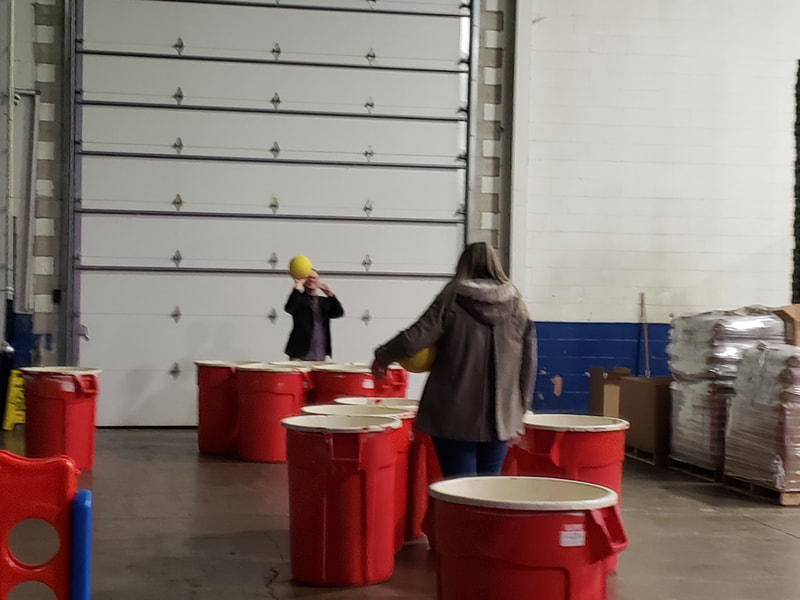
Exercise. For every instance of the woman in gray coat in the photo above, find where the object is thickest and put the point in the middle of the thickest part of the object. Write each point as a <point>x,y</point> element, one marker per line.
<point>481,381</point>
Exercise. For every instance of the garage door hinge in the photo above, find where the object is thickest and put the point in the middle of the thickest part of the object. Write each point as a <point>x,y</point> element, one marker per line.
<point>178,45</point>
<point>366,263</point>
<point>369,105</point>
<point>461,210</point>
<point>175,370</point>
<point>371,3</point>
<point>276,100</point>
<point>462,157</point>
<point>368,207</point>
<point>276,150</point>
<point>369,153</point>
<point>276,51</point>
<point>273,260</point>
<point>177,258</point>
<point>176,314</point>
<point>83,331</point>
<point>178,145</point>
<point>177,202</point>
<point>274,204</point>
<point>273,316</point>
<point>178,95</point>
<point>366,317</point>
<point>371,57</point>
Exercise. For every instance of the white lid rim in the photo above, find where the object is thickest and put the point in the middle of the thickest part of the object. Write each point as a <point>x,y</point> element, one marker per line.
<point>613,423</point>
<point>610,498</point>
<point>60,371</point>
<point>382,424</point>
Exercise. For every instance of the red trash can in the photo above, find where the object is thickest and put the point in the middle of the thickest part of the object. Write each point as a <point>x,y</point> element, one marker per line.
<point>216,406</point>
<point>406,414</point>
<point>337,380</point>
<point>514,538</point>
<point>423,466</point>
<point>60,408</point>
<point>303,364</point>
<point>341,479</point>
<point>267,394</point>
<point>425,470</point>
<point>577,447</point>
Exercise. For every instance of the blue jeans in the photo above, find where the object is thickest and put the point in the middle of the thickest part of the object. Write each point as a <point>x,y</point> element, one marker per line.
<point>464,459</point>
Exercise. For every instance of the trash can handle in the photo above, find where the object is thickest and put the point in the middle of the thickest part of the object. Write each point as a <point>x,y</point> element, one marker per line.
<point>609,521</point>
<point>555,448</point>
<point>344,459</point>
<point>86,385</point>
<point>397,376</point>
<point>308,380</point>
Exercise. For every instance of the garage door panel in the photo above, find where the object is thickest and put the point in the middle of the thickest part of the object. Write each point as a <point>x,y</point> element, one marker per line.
<point>140,398</point>
<point>252,32</point>
<point>122,79</point>
<point>129,320</point>
<point>157,294</point>
<point>155,344</point>
<point>143,184</point>
<point>212,243</point>
<point>443,7</point>
<point>112,129</point>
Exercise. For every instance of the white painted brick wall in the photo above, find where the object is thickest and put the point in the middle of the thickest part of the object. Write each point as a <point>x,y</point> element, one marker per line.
<point>660,156</point>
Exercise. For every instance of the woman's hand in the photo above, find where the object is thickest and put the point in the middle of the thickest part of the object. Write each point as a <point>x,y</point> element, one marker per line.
<point>378,370</point>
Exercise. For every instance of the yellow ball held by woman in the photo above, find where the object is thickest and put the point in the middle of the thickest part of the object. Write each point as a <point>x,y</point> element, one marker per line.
<point>300,267</point>
<point>421,362</point>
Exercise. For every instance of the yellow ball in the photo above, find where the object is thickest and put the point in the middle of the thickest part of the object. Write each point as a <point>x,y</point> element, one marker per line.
<point>300,267</point>
<point>421,361</point>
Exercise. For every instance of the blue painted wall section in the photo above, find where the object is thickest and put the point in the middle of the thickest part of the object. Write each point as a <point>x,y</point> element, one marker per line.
<point>567,350</point>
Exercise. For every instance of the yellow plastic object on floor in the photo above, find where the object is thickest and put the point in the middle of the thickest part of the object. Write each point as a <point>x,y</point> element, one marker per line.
<point>15,402</point>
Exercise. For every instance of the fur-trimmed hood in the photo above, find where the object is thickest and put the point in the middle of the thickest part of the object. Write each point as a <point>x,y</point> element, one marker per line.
<point>488,301</point>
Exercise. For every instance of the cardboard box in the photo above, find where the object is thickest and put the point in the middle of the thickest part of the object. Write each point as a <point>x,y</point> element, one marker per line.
<point>790,315</point>
<point>645,403</point>
<point>604,390</point>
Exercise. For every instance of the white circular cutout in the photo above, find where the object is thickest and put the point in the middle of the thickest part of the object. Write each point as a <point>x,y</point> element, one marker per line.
<point>33,542</point>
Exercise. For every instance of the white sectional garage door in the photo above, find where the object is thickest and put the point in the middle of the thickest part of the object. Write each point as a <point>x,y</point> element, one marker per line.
<point>217,139</point>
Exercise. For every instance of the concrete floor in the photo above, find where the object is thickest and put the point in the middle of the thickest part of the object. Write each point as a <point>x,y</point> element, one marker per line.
<point>170,524</point>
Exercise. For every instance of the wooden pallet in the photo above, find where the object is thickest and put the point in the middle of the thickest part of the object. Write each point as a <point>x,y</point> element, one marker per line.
<point>713,475</point>
<point>755,490</point>
<point>645,457</point>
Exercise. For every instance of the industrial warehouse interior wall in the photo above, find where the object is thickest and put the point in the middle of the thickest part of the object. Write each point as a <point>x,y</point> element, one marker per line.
<point>653,154</point>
